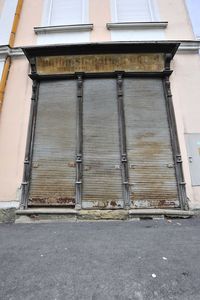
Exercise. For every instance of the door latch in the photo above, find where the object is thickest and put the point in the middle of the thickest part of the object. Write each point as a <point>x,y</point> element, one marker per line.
<point>170,166</point>
<point>190,159</point>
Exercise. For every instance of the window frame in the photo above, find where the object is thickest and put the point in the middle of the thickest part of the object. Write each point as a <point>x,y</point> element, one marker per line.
<point>152,8</point>
<point>47,9</point>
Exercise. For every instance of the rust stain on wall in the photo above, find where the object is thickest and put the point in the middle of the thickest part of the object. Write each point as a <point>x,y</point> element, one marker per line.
<point>69,64</point>
<point>67,201</point>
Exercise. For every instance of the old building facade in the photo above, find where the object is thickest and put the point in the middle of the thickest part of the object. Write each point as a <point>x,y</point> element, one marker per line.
<point>109,117</point>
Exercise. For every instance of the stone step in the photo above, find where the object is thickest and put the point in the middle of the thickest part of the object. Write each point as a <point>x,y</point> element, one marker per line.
<point>62,214</point>
<point>175,213</point>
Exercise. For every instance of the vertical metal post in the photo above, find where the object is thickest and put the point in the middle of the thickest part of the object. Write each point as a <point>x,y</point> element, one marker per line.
<point>175,144</point>
<point>29,146</point>
<point>79,140</point>
<point>122,139</point>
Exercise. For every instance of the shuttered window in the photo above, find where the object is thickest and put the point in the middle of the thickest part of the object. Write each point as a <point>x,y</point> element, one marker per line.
<point>66,12</point>
<point>133,10</point>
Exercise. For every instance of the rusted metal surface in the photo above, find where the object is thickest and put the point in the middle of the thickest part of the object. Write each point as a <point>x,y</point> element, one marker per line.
<point>68,64</point>
<point>102,186</point>
<point>79,140</point>
<point>90,114</point>
<point>175,144</point>
<point>29,146</point>
<point>122,139</point>
<point>53,166</point>
<point>152,177</point>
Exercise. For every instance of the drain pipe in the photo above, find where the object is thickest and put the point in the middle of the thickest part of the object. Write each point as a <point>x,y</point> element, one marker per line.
<point>11,44</point>
<point>4,79</point>
<point>15,23</point>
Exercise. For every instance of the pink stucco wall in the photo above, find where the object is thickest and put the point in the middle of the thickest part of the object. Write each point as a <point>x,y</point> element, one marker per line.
<point>13,129</point>
<point>31,16</point>
<point>179,26</point>
<point>185,82</point>
<point>99,16</point>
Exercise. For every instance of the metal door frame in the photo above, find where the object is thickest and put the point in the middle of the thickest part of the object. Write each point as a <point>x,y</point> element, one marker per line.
<point>118,75</point>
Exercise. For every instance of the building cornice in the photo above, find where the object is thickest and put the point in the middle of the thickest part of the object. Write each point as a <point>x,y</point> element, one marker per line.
<point>165,47</point>
<point>16,51</point>
<point>189,46</point>
<point>185,46</point>
<point>4,51</point>
<point>7,51</point>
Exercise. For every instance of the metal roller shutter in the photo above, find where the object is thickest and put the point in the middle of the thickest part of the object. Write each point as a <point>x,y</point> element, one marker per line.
<point>151,168</point>
<point>102,186</point>
<point>53,166</point>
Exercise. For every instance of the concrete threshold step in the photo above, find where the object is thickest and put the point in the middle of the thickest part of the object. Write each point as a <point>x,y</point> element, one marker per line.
<point>64,214</point>
<point>173,213</point>
<point>42,215</point>
<point>44,211</point>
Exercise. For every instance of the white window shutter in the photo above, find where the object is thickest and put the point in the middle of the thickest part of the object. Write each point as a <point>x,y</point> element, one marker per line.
<point>133,11</point>
<point>66,12</point>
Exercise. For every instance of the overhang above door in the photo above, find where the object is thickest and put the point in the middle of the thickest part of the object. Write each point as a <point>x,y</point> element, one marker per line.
<point>130,57</point>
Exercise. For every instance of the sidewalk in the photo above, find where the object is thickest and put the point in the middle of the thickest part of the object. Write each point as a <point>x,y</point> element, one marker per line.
<point>142,260</point>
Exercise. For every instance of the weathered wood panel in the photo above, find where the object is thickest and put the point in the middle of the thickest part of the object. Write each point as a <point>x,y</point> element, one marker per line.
<point>69,64</point>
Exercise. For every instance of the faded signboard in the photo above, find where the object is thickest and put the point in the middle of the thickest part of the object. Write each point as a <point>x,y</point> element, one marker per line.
<point>69,64</point>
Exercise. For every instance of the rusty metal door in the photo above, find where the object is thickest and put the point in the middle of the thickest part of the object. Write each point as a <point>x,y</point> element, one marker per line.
<point>53,166</point>
<point>151,167</point>
<point>102,185</point>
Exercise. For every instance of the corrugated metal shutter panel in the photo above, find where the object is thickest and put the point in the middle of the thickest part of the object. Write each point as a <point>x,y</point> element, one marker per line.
<point>53,167</point>
<point>102,185</point>
<point>151,171</point>
<point>66,12</point>
<point>133,11</point>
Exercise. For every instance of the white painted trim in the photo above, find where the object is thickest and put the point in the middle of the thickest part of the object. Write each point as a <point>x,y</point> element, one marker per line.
<point>151,10</point>
<point>2,62</point>
<point>47,12</point>
<point>189,46</point>
<point>113,9</point>
<point>50,11</point>
<point>63,28</point>
<point>7,51</point>
<point>85,11</point>
<point>6,20</point>
<point>4,52</point>
<point>192,45</point>
<point>152,7</point>
<point>9,204</point>
<point>154,10</point>
<point>137,25</point>
<point>16,52</point>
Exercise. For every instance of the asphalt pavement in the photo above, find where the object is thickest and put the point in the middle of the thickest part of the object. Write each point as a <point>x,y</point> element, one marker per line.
<point>116,260</point>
